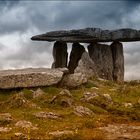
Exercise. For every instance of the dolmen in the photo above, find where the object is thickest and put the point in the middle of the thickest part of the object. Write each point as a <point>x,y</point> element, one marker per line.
<point>102,60</point>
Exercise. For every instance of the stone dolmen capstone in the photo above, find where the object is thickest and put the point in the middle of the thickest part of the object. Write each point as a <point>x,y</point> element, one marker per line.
<point>107,59</point>
<point>89,35</point>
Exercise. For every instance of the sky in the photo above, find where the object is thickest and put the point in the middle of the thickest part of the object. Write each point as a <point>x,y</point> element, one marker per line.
<point>22,19</point>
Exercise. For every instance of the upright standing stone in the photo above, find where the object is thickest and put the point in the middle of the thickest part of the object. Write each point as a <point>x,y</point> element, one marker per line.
<point>60,55</point>
<point>118,61</point>
<point>86,66</point>
<point>101,55</point>
<point>75,56</point>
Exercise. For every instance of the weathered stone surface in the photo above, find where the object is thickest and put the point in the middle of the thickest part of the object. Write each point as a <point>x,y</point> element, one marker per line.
<point>5,118</point>
<point>88,96</point>
<point>97,99</point>
<point>58,134</point>
<point>75,56</point>
<point>60,55</point>
<point>86,66</point>
<point>128,105</point>
<point>73,80</point>
<point>121,132</point>
<point>89,35</point>
<point>47,115</point>
<point>29,77</point>
<point>64,99</point>
<point>26,125</point>
<point>83,111</point>
<point>118,61</point>
<point>101,55</point>
<point>18,100</point>
<point>5,129</point>
<point>20,136</point>
<point>38,93</point>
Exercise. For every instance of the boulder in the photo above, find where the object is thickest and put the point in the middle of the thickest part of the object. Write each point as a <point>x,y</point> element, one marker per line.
<point>5,118</point>
<point>73,80</point>
<point>88,96</point>
<point>75,56</point>
<point>86,66</point>
<point>60,54</point>
<point>64,99</point>
<point>25,125</point>
<point>47,115</point>
<point>33,77</point>
<point>38,93</point>
<point>83,111</point>
<point>118,61</point>
<point>101,55</point>
<point>89,35</point>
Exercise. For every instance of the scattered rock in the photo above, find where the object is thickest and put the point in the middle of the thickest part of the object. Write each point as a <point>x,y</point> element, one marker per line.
<point>73,80</point>
<point>25,125</point>
<point>86,66</point>
<point>65,92</point>
<point>5,118</point>
<point>97,99</point>
<point>29,77</point>
<point>18,100</point>
<point>108,98</point>
<point>21,136</point>
<point>38,93</point>
<point>88,96</point>
<point>128,105</point>
<point>63,98</point>
<point>121,132</point>
<point>83,111</point>
<point>47,115</point>
<point>58,134</point>
<point>95,88</point>
<point>5,129</point>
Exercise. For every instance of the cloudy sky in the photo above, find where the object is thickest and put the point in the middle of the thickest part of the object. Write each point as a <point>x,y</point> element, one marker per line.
<point>22,19</point>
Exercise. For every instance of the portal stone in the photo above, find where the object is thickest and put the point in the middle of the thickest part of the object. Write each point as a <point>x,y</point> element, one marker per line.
<point>75,56</point>
<point>60,55</point>
<point>86,66</point>
<point>101,54</point>
<point>118,61</point>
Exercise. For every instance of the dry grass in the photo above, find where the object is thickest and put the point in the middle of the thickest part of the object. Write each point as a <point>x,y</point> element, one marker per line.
<point>84,128</point>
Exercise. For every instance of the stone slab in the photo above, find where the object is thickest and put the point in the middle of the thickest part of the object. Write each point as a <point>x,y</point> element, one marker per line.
<point>89,35</point>
<point>30,77</point>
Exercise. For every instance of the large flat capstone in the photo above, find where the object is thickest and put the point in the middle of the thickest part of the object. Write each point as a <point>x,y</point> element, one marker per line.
<point>89,35</point>
<point>31,77</point>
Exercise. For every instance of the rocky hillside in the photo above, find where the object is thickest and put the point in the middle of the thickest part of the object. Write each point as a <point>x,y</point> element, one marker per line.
<point>98,110</point>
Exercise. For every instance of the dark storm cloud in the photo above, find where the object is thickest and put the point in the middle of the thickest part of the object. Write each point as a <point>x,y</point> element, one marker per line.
<point>23,19</point>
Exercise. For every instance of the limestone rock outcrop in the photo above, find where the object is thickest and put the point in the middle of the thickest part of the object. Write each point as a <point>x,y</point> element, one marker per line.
<point>60,55</point>
<point>101,54</point>
<point>29,77</point>
<point>89,35</point>
<point>75,56</point>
